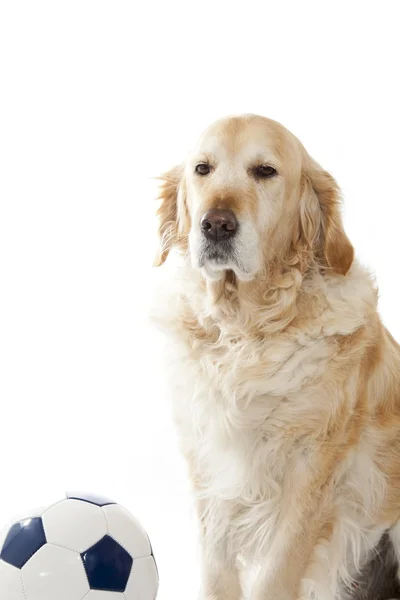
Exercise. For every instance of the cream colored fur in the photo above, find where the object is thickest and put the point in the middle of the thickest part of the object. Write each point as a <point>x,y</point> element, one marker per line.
<point>286,392</point>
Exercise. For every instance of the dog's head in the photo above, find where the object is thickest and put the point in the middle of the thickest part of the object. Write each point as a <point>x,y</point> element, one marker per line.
<point>248,196</point>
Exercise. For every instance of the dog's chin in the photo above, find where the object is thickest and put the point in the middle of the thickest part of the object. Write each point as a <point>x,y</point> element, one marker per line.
<point>214,267</point>
<point>215,259</point>
<point>214,272</point>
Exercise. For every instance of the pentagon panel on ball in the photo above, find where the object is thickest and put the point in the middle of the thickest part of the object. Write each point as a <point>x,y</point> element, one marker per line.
<point>85,547</point>
<point>23,540</point>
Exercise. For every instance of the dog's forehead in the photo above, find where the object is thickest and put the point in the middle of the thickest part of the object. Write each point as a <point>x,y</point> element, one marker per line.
<point>246,137</point>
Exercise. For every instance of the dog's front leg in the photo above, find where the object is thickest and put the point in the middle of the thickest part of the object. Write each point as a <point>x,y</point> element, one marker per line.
<point>220,576</point>
<point>280,576</point>
<point>306,507</point>
<point>295,580</point>
<point>220,581</point>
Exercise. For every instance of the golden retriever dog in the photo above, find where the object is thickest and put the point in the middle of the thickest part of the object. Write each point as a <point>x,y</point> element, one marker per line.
<point>286,385</point>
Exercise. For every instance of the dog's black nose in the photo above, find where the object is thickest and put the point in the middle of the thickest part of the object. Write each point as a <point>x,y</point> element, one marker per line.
<point>218,224</point>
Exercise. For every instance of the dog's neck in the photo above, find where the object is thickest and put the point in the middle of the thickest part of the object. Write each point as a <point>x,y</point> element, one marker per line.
<point>266,305</point>
<point>281,303</point>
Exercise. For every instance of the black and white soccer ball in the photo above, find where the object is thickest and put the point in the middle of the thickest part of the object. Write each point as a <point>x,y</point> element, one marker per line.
<point>84,547</point>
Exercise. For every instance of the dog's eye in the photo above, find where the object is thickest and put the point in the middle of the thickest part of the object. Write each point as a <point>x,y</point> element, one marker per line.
<point>203,169</point>
<point>264,171</point>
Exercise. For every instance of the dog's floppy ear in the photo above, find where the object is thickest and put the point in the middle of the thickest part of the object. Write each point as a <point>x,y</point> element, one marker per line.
<point>172,214</point>
<point>320,220</point>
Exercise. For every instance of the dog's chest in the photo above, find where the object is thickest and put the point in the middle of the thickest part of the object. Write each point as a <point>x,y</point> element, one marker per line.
<point>238,409</point>
<point>241,437</point>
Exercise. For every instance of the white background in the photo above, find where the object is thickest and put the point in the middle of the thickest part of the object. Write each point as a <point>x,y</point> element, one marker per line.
<point>97,98</point>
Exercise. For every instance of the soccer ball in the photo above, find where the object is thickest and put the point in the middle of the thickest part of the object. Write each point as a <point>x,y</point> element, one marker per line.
<point>84,547</point>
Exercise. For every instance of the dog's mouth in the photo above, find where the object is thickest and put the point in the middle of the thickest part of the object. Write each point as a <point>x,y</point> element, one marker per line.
<point>216,258</point>
<point>218,253</point>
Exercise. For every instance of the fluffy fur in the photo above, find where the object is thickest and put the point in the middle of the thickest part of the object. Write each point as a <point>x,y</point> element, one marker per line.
<point>286,385</point>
